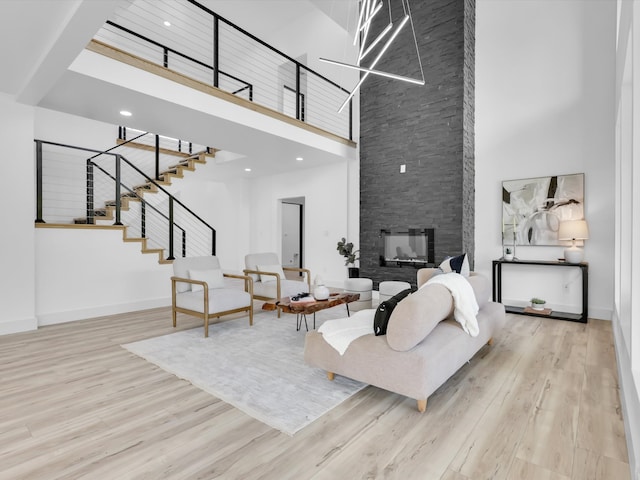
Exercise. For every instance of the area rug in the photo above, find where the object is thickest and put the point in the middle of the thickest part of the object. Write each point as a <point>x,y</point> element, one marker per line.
<point>259,370</point>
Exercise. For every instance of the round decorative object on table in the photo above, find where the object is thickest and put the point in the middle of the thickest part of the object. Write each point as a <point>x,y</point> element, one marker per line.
<point>321,293</point>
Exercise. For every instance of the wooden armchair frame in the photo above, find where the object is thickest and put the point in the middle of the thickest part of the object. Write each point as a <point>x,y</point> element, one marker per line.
<point>205,315</point>
<point>306,271</point>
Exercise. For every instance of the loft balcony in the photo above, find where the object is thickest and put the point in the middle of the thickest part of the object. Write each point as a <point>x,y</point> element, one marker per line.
<point>208,81</point>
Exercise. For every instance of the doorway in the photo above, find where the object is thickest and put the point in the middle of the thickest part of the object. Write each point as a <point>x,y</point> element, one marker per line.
<point>292,232</point>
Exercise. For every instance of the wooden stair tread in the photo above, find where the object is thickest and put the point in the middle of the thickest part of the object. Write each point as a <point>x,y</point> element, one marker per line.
<point>188,163</point>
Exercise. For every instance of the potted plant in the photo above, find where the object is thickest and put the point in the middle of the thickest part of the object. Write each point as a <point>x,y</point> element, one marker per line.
<point>346,250</point>
<point>538,303</point>
<point>508,253</point>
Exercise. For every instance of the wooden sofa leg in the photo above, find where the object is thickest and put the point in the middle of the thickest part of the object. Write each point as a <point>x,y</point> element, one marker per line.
<point>331,376</point>
<point>490,342</point>
<point>173,316</point>
<point>422,405</point>
<point>206,326</point>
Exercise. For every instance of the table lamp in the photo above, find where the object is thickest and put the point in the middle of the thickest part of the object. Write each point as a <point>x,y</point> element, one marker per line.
<point>573,230</point>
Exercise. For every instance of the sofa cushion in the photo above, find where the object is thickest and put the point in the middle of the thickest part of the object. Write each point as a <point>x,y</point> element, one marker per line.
<point>481,288</point>
<point>417,315</point>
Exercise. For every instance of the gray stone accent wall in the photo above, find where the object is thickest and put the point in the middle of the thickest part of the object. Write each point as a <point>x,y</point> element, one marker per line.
<point>427,128</point>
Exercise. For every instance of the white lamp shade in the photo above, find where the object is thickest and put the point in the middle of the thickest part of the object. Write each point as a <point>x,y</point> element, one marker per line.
<point>573,230</point>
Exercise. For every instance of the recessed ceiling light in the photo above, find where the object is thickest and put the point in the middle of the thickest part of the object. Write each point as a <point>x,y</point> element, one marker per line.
<point>247,169</point>
<point>299,159</point>
<point>167,23</point>
<point>125,113</point>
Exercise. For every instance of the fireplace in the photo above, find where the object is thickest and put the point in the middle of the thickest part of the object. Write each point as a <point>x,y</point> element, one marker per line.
<point>409,247</point>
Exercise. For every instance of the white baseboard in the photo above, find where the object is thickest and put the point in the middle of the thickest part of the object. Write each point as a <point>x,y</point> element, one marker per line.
<point>630,398</point>
<point>85,313</point>
<point>17,326</point>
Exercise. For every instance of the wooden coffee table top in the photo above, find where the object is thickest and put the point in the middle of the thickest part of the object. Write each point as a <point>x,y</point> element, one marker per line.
<point>306,308</point>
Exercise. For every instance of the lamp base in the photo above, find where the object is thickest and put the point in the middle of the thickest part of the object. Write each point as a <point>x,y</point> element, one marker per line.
<point>573,255</point>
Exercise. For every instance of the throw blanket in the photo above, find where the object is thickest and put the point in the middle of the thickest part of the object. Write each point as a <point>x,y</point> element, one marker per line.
<point>341,332</point>
<point>465,306</point>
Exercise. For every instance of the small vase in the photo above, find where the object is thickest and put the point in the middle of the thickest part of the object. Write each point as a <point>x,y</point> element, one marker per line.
<point>321,292</point>
<point>508,256</point>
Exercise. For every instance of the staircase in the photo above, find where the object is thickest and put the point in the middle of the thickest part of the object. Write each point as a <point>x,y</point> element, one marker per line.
<point>135,194</point>
<point>120,192</point>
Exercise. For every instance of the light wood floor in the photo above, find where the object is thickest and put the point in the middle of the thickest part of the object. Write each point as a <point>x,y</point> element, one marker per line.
<point>541,403</point>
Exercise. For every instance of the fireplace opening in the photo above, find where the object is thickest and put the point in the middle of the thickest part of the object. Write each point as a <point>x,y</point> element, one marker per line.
<point>409,247</point>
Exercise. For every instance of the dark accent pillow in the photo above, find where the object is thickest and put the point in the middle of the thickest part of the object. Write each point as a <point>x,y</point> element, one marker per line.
<point>383,312</point>
<point>458,264</point>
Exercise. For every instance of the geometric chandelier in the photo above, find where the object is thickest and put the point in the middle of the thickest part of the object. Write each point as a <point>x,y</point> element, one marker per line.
<point>368,10</point>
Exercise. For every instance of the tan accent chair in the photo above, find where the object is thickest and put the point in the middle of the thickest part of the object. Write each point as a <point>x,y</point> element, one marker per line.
<point>270,283</point>
<point>199,288</point>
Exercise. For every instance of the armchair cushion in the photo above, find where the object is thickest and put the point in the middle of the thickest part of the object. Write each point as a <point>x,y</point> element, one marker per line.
<point>213,277</point>
<point>272,269</point>
<point>252,260</point>
<point>220,300</point>
<point>181,267</point>
<point>287,288</point>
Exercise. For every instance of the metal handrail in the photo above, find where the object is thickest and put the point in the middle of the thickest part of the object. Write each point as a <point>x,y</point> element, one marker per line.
<point>343,125</point>
<point>118,158</point>
<point>180,54</point>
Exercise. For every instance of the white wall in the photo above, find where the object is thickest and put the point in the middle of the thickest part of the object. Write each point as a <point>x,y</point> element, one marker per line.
<point>544,106</point>
<point>223,205</point>
<point>89,273</point>
<point>325,217</point>
<point>17,197</point>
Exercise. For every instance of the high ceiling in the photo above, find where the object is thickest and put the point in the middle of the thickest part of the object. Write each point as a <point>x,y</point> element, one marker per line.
<point>52,34</point>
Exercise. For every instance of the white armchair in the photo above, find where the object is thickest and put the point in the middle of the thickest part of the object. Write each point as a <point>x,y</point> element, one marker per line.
<point>269,282</point>
<point>199,288</point>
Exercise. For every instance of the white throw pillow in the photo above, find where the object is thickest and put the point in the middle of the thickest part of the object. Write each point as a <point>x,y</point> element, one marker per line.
<point>270,268</point>
<point>214,279</point>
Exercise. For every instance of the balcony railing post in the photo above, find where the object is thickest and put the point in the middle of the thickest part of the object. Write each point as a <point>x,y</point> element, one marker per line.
<point>213,241</point>
<point>351,119</point>
<point>184,243</point>
<point>118,198</point>
<point>298,91</point>
<point>157,157</point>
<point>143,219</point>
<point>216,51</point>
<point>171,257</point>
<point>39,182</point>
<point>89,194</point>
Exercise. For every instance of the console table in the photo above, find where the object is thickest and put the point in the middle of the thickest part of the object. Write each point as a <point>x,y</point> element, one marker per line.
<point>574,317</point>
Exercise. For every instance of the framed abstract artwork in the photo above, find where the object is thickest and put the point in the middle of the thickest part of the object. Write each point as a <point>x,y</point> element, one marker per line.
<point>532,208</point>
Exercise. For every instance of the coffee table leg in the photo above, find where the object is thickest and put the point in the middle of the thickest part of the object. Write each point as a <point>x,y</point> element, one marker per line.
<point>299,317</point>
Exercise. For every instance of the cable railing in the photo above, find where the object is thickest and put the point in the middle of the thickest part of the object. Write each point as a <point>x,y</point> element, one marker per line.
<point>204,46</point>
<point>82,185</point>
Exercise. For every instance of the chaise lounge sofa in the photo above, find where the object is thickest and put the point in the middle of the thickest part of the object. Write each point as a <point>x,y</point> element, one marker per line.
<point>423,347</point>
